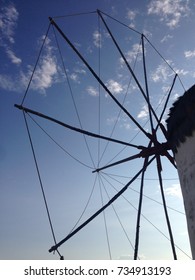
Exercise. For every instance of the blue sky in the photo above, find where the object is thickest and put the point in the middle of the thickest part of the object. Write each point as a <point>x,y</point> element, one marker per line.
<point>65,89</point>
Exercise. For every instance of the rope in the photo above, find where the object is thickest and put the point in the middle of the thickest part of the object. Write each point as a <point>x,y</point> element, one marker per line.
<point>41,184</point>
<point>72,96</point>
<point>120,111</point>
<point>63,149</point>
<point>119,220</point>
<point>85,208</point>
<point>53,248</point>
<point>36,63</point>
<point>105,222</point>
<point>97,78</point>
<point>171,208</point>
<point>143,214</point>
<point>76,14</point>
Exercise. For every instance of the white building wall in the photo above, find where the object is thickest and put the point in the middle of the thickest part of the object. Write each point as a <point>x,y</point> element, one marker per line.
<point>185,159</point>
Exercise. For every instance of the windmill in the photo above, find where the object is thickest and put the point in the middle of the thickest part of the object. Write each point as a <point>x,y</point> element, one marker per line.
<point>181,136</point>
<point>153,145</point>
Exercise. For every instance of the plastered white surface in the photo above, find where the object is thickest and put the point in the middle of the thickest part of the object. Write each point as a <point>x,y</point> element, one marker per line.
<point>185,160</point>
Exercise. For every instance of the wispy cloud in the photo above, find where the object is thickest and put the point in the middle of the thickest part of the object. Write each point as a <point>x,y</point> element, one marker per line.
<point>169,11</point>
<point>8,23</point>
<point>8,83</point>
<point>189,54</point>
<point>143,114</point>
<point>132,54</point>
<point>131,15</point>
<point>174,190</point>
<point>114,86</point>
<point>74,77</point>
<point>12,56</point>
<point>44,76</point>
<point>181,72</point>
<point>97,39</point>
<point>166,38</point>
<point>92,91</point>
<point>123,122</point>
<point>46,71</point>
<point>161,73</point>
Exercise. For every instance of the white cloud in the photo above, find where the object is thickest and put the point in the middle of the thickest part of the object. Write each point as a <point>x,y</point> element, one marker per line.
<point>111,120</point>
<point>131,14</point>
<point>74,77</point>
<point>127,126</point>
<point>143,114</point>
<point>169,11</point>
<point>97,39</point>
<point>189,54</point>
<point>46,71</point>
<point>181,72</point>
<point>8,83</point>
<point>166,38</point>
<point>122,121</point>
<point>174,190</point>
<point>8,21</point>
<point>77,72</point>
<point>131,55</point>
<point>14,59</point>
<point>175,96</point>
<point>44,74</point>
<point>92,91</point>
<point>80,71</point>
<point>161,73</point>
<point>114,86</point>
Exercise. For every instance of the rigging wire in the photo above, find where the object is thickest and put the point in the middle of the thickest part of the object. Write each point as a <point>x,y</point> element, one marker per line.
<point>168,93</point>
<point>53,248</point>
<point>152,45</point>
<point>97,78</point>
<point>149,179</point>
<point>75,14</point>
<point>132,29</point>
<point>95,179</point>
<point>60,146</point>
<point>165,61</point>
<point>120,111</point>
<point>72,96</point>
<point>41,184</point>
<point>79,130</point>
<point>87,203</point>
<point>36,63</point>
<point>152,199</point>
<point>105,222</point>
<point>118,218</point>
<point>135,79</point>
<point>130,203</point>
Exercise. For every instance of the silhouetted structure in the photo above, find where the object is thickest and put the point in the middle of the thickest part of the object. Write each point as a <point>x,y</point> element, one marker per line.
<point>181,135</point>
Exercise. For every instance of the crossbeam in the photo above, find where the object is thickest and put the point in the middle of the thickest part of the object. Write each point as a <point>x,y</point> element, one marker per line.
<point>27,110</point>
